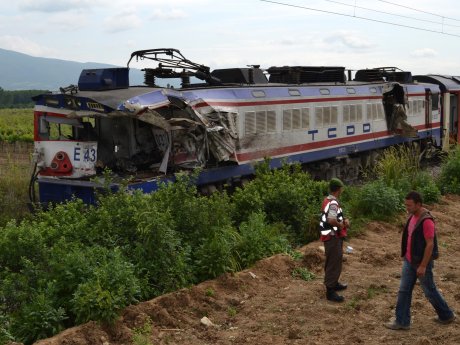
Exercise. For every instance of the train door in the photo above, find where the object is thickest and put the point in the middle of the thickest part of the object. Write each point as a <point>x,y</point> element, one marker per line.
<point>428,108</point>
<point>453,117</point>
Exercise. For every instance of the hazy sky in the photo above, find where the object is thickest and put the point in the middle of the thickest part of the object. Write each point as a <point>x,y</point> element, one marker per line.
<point>230,33</point>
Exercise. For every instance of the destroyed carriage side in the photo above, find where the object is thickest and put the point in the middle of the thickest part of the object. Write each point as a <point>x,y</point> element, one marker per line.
<point>223,123</point>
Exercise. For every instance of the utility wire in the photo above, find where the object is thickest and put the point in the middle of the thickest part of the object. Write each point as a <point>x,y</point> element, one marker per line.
<point>363,18</point>
<point>414,9</point>
<point>391,14</point>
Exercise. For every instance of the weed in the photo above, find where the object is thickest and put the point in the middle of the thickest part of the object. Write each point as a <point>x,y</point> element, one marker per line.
<point>141,335</point>
<point>354,303</point>
<point>303,273</point>
<point>231,312</point>
<point>294,254</point>
<point>374,290</point>
<point>210,292</point>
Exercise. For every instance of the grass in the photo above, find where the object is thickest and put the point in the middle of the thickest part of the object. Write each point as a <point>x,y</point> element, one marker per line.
<point>16,125</point>
<point>303,273</point>
<point>14,180</point>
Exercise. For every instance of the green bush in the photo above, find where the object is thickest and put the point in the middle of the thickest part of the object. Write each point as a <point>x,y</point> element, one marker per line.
<point>378,201</point>
<point>449,179</point>
<point>286,195</point>
<point>427,187</point>
<point>259,239</point>
<point>39,318</point>
<point>111,287</point>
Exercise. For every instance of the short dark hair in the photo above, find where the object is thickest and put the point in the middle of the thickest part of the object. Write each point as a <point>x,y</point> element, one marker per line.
<point>415,196</point>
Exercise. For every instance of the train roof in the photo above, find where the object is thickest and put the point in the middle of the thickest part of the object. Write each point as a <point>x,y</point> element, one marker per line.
<point>445,82</point>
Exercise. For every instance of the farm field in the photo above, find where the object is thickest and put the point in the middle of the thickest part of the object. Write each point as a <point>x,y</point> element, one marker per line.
<point>16,125</point>
<point>265,304</point>
<point>16,145</point>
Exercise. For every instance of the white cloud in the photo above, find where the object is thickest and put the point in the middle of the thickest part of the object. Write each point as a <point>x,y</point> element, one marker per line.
<point>424,52</point>
<point>350,40</point>
<point>122,22</point>
<point>171,14</point>
<point>55,5</point>
<point>25,46</point>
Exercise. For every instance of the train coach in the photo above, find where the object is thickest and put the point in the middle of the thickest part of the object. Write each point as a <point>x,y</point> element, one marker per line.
<point>223,121</point>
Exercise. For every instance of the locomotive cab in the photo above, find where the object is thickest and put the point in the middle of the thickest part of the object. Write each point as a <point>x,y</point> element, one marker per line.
<point>65,147</point>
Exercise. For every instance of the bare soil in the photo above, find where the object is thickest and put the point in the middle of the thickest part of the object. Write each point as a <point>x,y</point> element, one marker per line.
<point>266,305</point>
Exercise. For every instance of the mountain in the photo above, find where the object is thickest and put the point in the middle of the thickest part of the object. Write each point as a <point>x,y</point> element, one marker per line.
<point>20,71</point>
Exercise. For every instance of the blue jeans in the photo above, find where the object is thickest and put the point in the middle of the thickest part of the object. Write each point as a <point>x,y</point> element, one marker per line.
<point>408,279</point>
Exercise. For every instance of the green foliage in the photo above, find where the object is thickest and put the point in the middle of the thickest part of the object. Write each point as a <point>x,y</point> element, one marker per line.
<point>75,262</point>
<point>18,98</point>
<point>285,195</point>
<point>231,312</point>
<point>210,292</point>
<point>259,239</point>
<point>449,179</point>
<point>427,187</point>
<point>141,335</point>
<point>376,200</point>
<point>38,319</point>
<point>16,125</point>
<point>111,287</point>
<point>397,166</point>
<point>303,273</point>
<point>14,180</point>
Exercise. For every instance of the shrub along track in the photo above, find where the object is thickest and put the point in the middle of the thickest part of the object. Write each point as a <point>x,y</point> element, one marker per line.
<point>266,305</point>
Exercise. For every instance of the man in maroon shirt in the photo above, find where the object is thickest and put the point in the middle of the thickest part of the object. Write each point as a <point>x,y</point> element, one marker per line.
<point>419,247</point>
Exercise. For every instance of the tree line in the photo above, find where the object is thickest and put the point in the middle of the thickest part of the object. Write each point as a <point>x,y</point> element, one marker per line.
<point>18,98</point>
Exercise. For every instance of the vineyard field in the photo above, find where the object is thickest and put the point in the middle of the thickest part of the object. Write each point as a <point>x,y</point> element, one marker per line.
<point>16,125</point>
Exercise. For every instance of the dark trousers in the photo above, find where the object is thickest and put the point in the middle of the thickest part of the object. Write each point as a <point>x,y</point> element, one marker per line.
<point>333,265</point>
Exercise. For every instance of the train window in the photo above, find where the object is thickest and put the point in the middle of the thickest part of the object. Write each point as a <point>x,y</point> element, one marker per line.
<point>287,115</point>
<point>380,111</point>
<point>373,89</point>
<point>346,113</point>
<point>351,90</point>
<point>250,123</point>
<point>271,121</point>
<point>435,101</point>
<point>294,92</point>
<point>305,118</point>
<point>296,119</point>
<point>353,113</point>
<point>261,121</point>
<point>324,91</point>
<point>369,112</point>
<point>319,117</point>
<point>334,115</point>
<point>258,93</point>
<point>326,116</point>
<point>359,113</point>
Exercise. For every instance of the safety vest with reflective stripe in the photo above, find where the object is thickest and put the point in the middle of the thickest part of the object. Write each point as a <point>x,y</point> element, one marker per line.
<point>326,229</point>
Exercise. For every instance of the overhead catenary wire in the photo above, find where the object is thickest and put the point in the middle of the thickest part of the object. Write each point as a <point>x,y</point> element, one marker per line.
<point>358,17</point>
<point>392,14</point>
<point>417,10</point>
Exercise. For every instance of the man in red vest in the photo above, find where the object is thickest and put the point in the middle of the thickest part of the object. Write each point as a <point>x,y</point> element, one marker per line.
<point>333,228</point>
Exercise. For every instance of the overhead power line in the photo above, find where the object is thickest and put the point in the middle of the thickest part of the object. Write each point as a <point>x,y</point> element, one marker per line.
<point>421,11</point>
<point>392,14</point>
<point>358,17</point>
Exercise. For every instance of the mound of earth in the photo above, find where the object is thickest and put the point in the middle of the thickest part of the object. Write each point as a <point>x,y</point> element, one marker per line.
<point>267,304</point>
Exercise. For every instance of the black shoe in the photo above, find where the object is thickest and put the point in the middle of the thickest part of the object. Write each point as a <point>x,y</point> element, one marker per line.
<point>331,295</point>
<point>340,287</point>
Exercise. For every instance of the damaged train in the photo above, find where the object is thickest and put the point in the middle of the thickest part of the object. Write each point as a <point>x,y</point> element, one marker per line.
<point>225,120</point>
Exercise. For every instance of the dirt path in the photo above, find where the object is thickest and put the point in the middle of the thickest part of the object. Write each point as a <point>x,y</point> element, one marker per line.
<point>266,305</point>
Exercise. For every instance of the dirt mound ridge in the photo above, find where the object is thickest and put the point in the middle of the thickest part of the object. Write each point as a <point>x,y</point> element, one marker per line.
<point>267,305</point>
